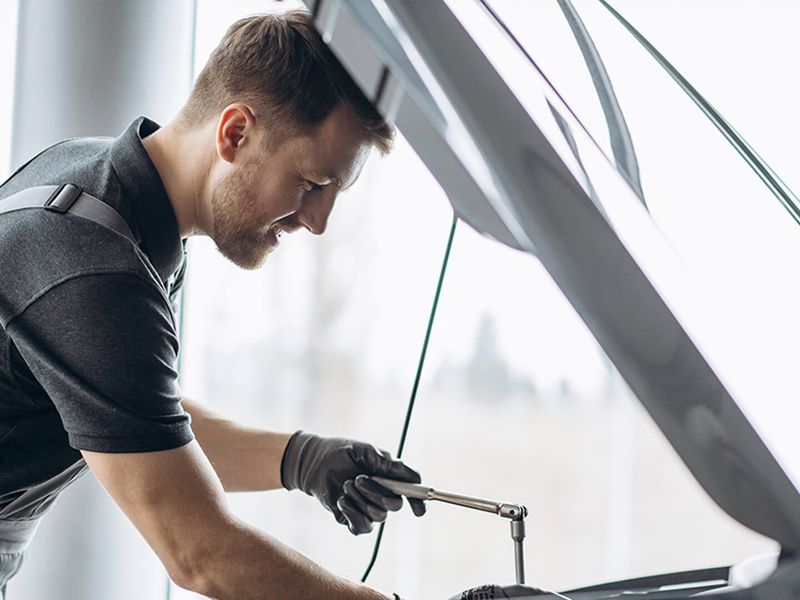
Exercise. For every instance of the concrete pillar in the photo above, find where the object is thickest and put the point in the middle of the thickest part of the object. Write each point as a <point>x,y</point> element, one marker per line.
<point>89,67</point>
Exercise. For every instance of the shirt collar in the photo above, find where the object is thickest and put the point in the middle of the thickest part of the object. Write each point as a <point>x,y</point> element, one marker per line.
<point>151,207</point>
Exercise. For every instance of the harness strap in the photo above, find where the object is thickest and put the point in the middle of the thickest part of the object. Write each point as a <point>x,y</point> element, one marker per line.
<point>71,199</point>
<point>68,198</point>
<point>16,535</point>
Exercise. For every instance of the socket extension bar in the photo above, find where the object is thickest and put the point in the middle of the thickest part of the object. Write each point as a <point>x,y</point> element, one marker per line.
<point>516,513</point>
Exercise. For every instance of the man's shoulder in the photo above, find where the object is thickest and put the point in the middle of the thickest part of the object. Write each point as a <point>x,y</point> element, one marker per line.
<point>37,246</point>
<point>84,162</point>
<point>40,249</point>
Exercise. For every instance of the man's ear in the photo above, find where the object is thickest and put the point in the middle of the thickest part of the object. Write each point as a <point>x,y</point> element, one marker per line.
<point>235,128</point>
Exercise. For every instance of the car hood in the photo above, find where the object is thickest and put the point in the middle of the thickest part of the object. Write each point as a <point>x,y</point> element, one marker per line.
<point>529,175</point>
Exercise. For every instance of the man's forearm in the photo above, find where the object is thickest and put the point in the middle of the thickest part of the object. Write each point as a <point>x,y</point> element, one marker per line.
<point>247,564</point>
<point>246,459</point>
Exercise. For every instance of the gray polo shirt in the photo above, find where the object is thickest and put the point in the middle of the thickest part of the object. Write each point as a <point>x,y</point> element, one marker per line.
<point>88,337</point>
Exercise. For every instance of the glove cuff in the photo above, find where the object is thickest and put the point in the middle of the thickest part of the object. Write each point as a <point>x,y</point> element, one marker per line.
<point>290,471</point>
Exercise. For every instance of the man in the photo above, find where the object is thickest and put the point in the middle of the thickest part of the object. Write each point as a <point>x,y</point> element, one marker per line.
<point>273,130</point>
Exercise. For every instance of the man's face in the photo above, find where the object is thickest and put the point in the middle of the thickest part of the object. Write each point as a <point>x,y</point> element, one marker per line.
<point>266,194</point>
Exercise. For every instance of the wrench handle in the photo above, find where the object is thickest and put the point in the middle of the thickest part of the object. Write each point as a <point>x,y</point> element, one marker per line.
<point>403,488</point>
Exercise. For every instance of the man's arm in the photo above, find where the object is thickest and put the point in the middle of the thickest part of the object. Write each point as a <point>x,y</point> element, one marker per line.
<point>177,503</point>
<point>334,470</point>
<point>245,459</point>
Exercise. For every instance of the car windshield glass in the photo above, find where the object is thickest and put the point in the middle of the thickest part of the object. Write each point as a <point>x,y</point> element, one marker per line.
<point>730,221</point>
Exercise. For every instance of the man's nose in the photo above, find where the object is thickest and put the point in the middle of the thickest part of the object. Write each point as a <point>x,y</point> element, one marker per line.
<point>316,210</point>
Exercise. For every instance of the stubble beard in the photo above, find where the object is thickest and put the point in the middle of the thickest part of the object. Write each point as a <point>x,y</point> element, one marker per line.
<point>235,235</point>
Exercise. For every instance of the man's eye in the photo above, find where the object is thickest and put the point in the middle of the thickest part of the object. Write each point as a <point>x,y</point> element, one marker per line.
<point>312,186</point>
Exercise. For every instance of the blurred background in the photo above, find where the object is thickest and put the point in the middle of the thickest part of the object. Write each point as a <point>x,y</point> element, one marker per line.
<point>517,401</point>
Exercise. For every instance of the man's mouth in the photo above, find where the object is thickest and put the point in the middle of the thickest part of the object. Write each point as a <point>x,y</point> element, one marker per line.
<point>281,230</point>
<point>274,235</point>
<point>271,237</point>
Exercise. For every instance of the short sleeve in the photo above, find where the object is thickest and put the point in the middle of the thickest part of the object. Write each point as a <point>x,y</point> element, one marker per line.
<point>104,348</point>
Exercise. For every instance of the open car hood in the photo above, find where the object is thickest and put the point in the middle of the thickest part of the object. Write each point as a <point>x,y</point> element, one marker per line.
<point>529,175</point>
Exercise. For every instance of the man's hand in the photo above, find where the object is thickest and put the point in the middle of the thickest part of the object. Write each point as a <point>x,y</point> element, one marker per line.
<point>490,592</point>
<point>336,471</point>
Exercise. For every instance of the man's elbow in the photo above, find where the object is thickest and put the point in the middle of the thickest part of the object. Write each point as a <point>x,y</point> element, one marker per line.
<point>193,577</point>
<point>193,569</point>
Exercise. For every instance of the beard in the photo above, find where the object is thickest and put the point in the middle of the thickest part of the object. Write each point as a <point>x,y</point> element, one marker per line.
<point>237,237</point>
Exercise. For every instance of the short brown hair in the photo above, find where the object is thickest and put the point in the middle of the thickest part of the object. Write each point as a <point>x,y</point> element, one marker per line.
<point>279,64</point>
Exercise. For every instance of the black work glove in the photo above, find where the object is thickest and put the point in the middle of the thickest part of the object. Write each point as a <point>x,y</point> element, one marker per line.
<point>337,471</point>
<point>489,592</point>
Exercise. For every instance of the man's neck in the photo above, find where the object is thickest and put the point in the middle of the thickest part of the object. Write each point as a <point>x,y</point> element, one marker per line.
<point>182,168</point>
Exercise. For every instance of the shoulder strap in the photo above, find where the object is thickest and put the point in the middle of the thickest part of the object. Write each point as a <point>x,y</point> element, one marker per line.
<point>68,198</point>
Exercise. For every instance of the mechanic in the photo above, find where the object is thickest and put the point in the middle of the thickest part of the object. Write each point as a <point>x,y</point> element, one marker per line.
<point>273,130</point>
